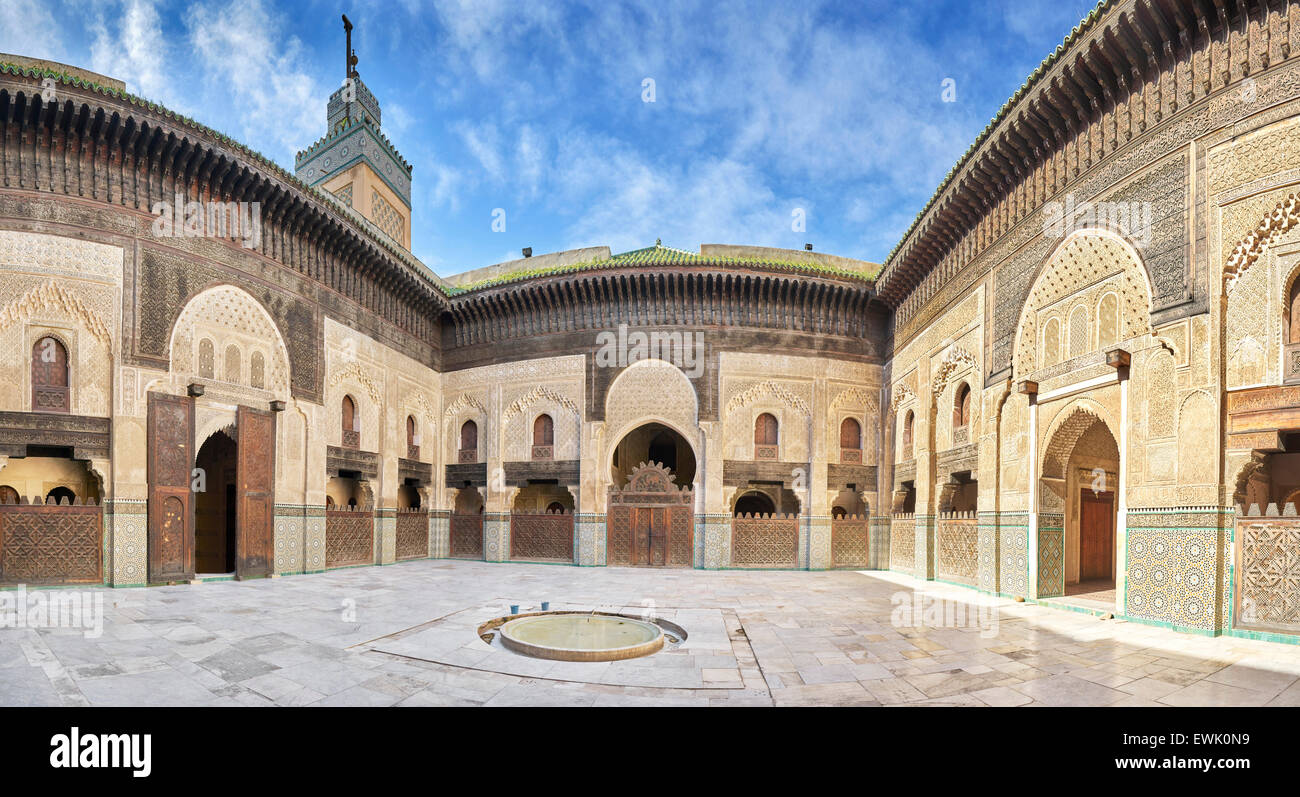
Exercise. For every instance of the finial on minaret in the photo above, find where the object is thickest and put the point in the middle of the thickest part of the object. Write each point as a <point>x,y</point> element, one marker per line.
<point>351,56</point>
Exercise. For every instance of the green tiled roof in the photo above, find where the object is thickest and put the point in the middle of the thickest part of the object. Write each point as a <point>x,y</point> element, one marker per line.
<point>659,255</point>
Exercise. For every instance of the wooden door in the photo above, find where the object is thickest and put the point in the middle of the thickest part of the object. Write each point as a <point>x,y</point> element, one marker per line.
<point>1096,535</point>
<point>641,521</point>
<point>658,554</point>
<point>254,492</point>
<point>171,501</point>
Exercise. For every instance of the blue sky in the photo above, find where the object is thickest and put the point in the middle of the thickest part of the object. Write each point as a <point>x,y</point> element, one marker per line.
<point>538,108</point>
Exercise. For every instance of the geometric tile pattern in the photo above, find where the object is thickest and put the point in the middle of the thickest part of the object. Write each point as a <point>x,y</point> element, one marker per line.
<point>716,551</point>
<point>815,543</point>
<point>1051,556</point>
<point>591,539</point>
<point>289,524</point>
<point>1014,576</point>
<point>439,534</point>
<point>126,525</point>
<point>987,539</point>
<point>1171,576</point>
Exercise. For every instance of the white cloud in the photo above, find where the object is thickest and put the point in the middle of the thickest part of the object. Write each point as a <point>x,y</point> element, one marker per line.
<point>27,27</point>
<point>129,45</point>
<point>247,58</point>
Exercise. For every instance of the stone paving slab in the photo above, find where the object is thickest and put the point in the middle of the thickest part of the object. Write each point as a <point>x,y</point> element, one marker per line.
<point>406,636</point>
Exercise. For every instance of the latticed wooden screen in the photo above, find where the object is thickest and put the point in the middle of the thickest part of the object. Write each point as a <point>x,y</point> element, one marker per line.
<point>958,558</point>
<point>849,541</point>
<point>902,541</point>
<point>765,541</point>
<point>548,537</point>
<point>412,534</point>
<point>467,536</point>
<point>1268,575</point>
<point>349,537</point>
<point>618,549</point>
<point>51,544</point>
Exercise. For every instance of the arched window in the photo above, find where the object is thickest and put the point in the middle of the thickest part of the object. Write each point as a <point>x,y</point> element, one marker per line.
<point>207,357</point>
<point>961,406</point>
<point>257,371</point>
<point>50,392</point>
<point>1079,334</point>
<point>555,508</point>
<point>412,439</point>
<point>850,440</point>
<point>351,432</point>
<point>1293,302</point>
<point>232,363</point>
<point>1108,321</point>
<point>60,495</point>
<point>543,437</point>
<point>765,436</point>
<point>8,495</point>
<point>1051,343</point>
<point>469,442</point>
<point>851,434</point>
<point>908,423</point>
<point>754,503</point>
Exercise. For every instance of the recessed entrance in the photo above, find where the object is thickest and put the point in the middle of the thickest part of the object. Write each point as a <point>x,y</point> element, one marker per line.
<point>214,505</point>
<point>654,442</point>
<point>1096,536</point>
<point>1079,487</point>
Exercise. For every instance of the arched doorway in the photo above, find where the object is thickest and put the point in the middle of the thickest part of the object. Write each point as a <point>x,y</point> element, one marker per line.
<point>466,531</point>
<point>754,503</point>
<point>653,442</point>
<point>1079,496</point>
<point>651,520</point>
<point>541,523</point>
<point>214,505</point>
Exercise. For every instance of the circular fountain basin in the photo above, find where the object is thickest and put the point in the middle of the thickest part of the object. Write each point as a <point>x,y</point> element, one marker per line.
<point>582,637</point>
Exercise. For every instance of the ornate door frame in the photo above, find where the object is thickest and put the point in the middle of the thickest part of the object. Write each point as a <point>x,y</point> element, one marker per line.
<point>649,487</point>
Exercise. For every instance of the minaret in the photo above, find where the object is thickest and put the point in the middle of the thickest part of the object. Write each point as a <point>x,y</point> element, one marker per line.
<point>355,161</point>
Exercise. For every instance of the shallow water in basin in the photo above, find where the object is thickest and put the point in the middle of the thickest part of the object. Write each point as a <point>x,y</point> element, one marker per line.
<point>581,632</point>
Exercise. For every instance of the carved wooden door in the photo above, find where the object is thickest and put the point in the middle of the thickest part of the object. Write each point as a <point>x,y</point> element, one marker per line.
<point>658,553</point>
<point>171,501</point>
<point>641,521</point>
<point>1096,535</point>
<point>254,492</point>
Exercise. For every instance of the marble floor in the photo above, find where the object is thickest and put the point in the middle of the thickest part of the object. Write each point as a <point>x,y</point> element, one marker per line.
<point>405,635</point>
